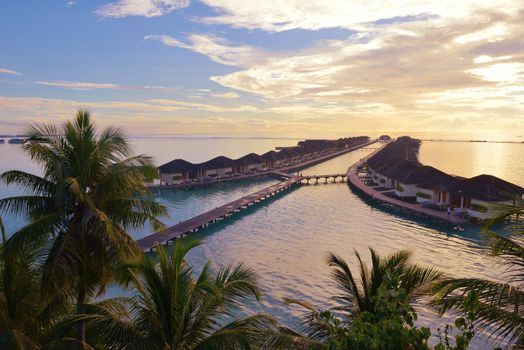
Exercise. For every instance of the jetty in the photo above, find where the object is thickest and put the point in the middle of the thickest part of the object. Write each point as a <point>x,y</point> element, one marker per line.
<point>380,195</point>
<point>289,181</point>
<point>218,214</point>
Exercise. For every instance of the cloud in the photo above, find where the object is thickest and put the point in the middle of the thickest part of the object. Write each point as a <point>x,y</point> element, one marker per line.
<point>227,95</point>
<point>217,49</point>
<point>278,15</point>
<point>79,85</point>
<point>143,8</point>
<point>150,105</point>
<point>405,74</point>
<point>9,71</point>
<point>71,3</point>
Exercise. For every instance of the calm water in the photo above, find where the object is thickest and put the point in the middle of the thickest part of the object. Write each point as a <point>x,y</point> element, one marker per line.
<point>286,239</point>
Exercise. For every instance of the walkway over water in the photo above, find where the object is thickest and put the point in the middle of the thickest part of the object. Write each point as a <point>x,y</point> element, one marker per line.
<point>220,213</point>
<point>202,221</point>
<point>356,182</point>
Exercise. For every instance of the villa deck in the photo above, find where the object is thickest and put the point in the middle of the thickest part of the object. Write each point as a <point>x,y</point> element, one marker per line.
<point>379,195</point>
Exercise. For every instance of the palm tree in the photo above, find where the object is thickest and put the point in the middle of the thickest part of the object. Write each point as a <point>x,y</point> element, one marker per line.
<point>91,190</point>
<point>26,316</point>
<point>356,297</point>
<point>174,309</point>
<point>2,231</point>
<point>501,303</point>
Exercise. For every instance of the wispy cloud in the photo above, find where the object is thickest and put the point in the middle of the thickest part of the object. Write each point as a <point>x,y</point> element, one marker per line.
<point>216,48</point>
<point>79,85</point>
<point>143,8</point>
<point>227,95</point>
<point>9,71</point>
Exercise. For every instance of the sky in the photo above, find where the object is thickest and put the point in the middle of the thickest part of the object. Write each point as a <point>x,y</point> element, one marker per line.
<point>268,68</point>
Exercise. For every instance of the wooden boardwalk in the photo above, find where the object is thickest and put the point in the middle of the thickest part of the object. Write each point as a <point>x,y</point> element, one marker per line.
<point>202,221</point>
<point>355,181</point>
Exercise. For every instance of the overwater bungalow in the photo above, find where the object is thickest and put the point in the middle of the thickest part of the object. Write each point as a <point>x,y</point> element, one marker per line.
<point>2,141</point>
<point>250,162</point>
<point>407,185</point>
<point>273,159</point>
<point>217,167</point>
<point>483,195</point>
<point>290,156</point>
<point>440,190</point>
<point>176,171</point>
<point>397,167</point>
<point>180,170</point>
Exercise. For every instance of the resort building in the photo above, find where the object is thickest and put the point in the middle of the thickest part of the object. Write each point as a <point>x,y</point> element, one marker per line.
<point>484,195</point>
<point>179,170</point>
<point>396,167</point>
<point>217,167</point>
<point>249,163</point>
<point>273,159</point>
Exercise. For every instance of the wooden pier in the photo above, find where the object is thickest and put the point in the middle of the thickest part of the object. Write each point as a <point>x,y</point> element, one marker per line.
<point>148,243</point>
<point>317,179</point>
<point>356,182</point>
<point>202,221</point>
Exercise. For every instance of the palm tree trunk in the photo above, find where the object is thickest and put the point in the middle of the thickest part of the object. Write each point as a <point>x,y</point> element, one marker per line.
<point>81,299</point>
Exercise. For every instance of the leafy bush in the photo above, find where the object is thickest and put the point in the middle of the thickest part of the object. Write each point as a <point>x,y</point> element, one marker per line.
<point>382,181</point>
<point>400,188</point>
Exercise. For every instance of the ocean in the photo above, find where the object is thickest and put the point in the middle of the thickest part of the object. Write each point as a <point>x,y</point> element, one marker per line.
<point>286,239</point>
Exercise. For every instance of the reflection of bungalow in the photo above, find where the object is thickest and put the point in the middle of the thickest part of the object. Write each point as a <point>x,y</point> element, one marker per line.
<point>217,167</point>
<point>249,162</point>
<point>176,171</point>
<point>482,195</point>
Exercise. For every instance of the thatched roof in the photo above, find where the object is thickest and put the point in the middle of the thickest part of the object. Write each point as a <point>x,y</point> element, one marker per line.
<point>177,166</point>
<point>490,188</point>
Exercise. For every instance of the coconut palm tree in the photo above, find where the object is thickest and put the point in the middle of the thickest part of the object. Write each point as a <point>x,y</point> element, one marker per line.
<point>26,316</point>
<point>90,191</point>
<point>174,308</point>
<point>501,309</point>
<point>356,296</point>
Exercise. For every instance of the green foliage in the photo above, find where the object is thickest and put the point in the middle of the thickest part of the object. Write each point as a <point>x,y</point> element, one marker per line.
<point>501,304</point>
<point>27,317</point>
<point>363,299</point>
<point>464,325</point>
<point>389,327</point>
<point>399,188</point>
<point>382,181</point>
<point>423,195</point>
<point>174,309</point>
<point>81,206</point>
